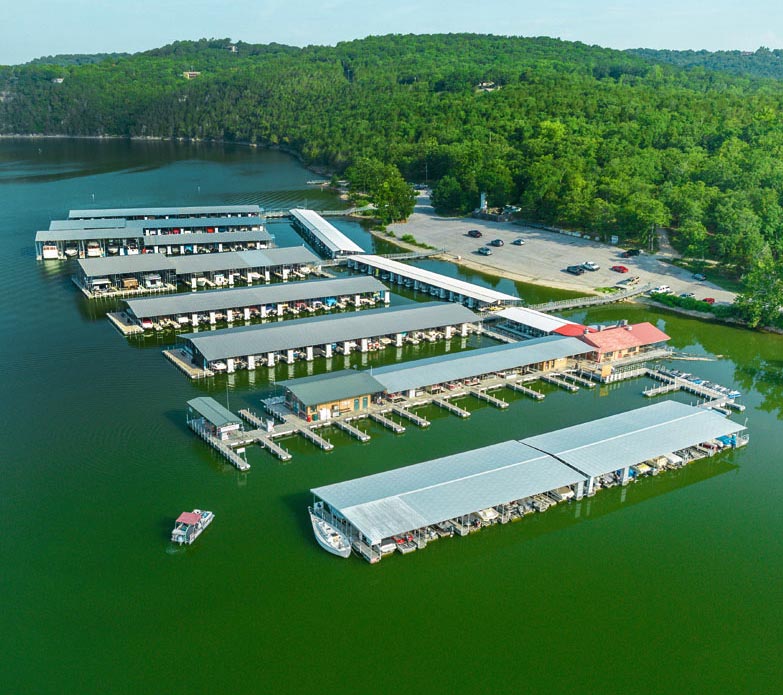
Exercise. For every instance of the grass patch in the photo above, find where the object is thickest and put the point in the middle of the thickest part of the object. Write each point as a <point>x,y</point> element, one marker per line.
<point>410,239</point>
<point>723,277</point>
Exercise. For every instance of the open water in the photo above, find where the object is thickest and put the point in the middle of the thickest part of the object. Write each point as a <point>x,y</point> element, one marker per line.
<point>672,585</point>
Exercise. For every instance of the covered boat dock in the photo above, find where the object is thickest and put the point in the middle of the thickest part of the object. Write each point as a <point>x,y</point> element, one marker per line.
<point>606,450</point>
<point>166,212</point>
<point>114,276</point>
<point>246,303</point>
<point>436,285</point>
<point>405,508</point>
<point>323,235</point>
<point>246,346</point>
<point>124,237</point>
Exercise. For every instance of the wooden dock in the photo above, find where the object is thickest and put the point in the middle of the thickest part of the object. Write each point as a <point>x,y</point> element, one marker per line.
<point>482,395</point>
<point>346,426</point>
<point>408,415</point>
<point>386,422</point>
<point>121,322</point>
<point>450,407</point>
<point>182,361</point>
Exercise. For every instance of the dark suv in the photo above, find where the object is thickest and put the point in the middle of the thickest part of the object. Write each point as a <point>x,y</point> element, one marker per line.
<point>475,233</point>
<point>630,252</point>
<point>575,269</point>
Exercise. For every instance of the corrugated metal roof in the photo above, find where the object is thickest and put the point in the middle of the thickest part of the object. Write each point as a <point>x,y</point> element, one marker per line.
<point>138,225</point>
<point>318,330</point>
<point>207,238</point>
<point>466,289</point>
<point>94,213</point>
<point>88,234</point>
<point>185,303</point>
<point>535,319</point>
<point>333,386</point>
<point>331,237</point>
<point>408,498</point>
<point>120,265</point>
<point>238,260</point>
<point>77,225</point>
<point>615,442</point>
<point>199,262</point>
<point>213,411</point>
<point>461,365</point>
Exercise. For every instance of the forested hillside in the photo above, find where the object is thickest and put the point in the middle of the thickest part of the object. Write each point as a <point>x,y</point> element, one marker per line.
<point>576,135</point>
<point>760,63</point>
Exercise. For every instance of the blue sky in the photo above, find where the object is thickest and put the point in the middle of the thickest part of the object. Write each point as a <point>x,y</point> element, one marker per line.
<point>34,28</point>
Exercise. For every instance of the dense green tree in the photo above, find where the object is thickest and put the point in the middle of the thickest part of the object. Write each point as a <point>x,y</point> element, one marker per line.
<point>761,301</point>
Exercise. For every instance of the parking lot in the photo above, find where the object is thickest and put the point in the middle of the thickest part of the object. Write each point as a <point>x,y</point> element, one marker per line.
<point>543,258</point>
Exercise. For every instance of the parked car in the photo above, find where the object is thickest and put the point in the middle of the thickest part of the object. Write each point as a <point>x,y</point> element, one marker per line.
<point>709,300</point>
<point>485,251</point>
<point>699,277</point>
<point>630,253</point>
<point>496,242</point>
<point>575,269</point>
<point>619,269</point>
<point>475,233</point>
<point>518,242</point>
<point>589,265</point>
<point>661,289</point>
<point>687,295</point>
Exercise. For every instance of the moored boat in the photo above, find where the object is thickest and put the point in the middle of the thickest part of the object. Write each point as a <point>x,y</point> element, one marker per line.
<point>190,525</point>
<point>328,537</point>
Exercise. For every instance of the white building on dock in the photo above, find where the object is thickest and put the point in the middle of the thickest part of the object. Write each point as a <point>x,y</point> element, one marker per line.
<point>323,235</point>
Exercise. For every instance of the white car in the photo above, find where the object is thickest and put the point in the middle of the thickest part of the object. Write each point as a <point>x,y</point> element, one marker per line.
<point>661,289</point>
<point>589,265</point>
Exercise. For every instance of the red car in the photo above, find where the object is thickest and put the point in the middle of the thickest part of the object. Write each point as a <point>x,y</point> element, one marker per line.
<point>619,269</point>
<point>709,300</point>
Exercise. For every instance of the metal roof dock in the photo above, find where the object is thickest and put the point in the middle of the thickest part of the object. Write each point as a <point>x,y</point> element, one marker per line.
<point>147,225</point>
<point>323,235</point>
<point>440,286</point>
<point>152,213</point>
<point>403,509</point>
<point>332,386</point>
<point>324,330</point>
<point>213,411</point>
<point>455,366</point>
<point>619,441</point>
<point>217,300</point>
<point>386,504</point>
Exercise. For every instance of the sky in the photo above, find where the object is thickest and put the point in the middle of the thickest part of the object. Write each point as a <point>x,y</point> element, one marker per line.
<point>35,28</point>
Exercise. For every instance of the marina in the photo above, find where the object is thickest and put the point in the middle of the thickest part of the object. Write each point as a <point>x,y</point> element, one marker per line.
<point>122,276</point>
<point>247,304</point>
<point>405,508</point>
<point>195,230</point>
<point>249,347</point>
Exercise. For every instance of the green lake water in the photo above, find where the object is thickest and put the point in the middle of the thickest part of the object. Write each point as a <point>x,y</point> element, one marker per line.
<point>672,585</point>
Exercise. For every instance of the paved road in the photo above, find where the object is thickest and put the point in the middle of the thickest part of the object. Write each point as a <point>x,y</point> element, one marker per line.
<point>544,256</point>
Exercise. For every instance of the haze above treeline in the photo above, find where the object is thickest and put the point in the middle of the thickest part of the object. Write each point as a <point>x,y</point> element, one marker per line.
<point>608,141</point>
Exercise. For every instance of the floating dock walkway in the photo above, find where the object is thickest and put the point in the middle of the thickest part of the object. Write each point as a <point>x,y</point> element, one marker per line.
<point>450,407</point>
<point>346,426</point>
<point>557,381</point>
<point>408,415</point>
<point>520,388</point>
<point>386,422</point>
<point>482,395</point>
<point>221,447</point>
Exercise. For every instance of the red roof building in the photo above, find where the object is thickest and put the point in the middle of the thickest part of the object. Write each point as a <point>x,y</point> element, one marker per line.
<point>622,341</point>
